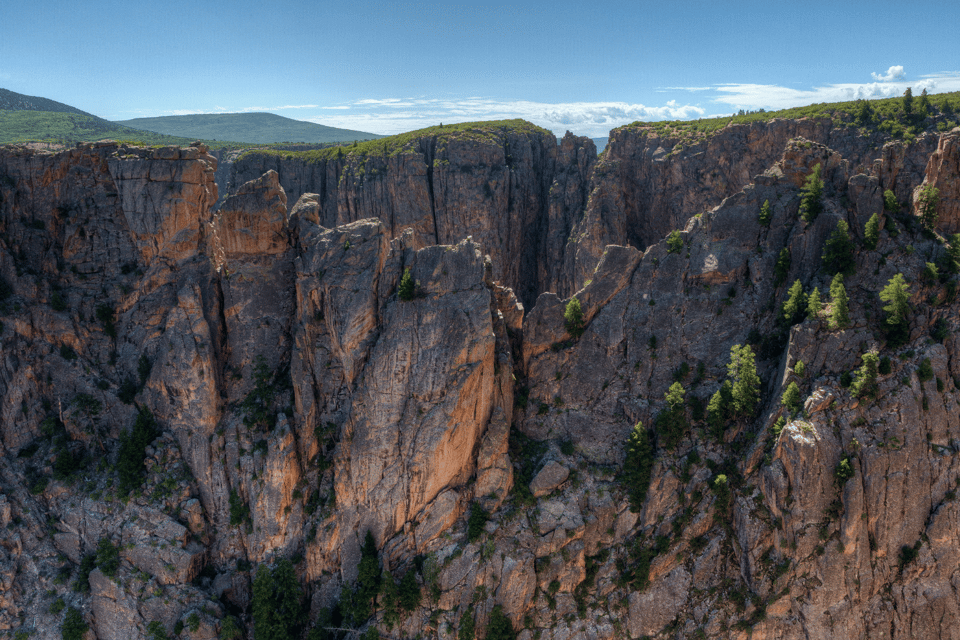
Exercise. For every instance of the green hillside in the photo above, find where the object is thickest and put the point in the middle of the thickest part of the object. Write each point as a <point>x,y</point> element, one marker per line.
<point>257,128</point>
<point>12,101</point>
<point>70,128</point>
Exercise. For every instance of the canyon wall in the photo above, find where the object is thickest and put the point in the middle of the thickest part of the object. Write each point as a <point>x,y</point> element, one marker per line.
<point>296,370</point>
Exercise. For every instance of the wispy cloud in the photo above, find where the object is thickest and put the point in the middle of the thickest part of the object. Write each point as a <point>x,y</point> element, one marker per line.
<point>893,73</point>
<point>755,96</point>
<point>394,115</point>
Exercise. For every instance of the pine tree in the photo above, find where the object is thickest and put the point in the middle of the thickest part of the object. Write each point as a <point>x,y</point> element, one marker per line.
<point>791,397</point>
<point>871,232</point>
<point>276,605</point>
<point>766,214</point>
<point>908,101</point>
<point>793,307</point>
<point>927,202</point>
<point>782,267</point>
<point>923,105</point>
<point>742,371</point>
<point>638,466</point>
<point>811,196</point>
<point>573,318</point>
<point>839,304</point>
<point>672,422</point>
<point>814,306</point>
<point>718,408</point>
<point>838,250</point>
<point>865,382</point>
<point>408,288</point>
<point>897,296</point>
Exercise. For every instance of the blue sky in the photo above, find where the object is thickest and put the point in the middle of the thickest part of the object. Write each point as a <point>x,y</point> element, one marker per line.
<point>393,67</point>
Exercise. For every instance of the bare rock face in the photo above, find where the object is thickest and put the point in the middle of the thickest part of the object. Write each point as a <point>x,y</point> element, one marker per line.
<point>511,189</point>
<point>943,173</point>
<point>200,395</point>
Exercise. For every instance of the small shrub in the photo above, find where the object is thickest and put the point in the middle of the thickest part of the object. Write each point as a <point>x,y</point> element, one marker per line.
<point>838,251</point>
<point>57,606</point>
<point>155,631</point>
<point>478,518</point>
<point>239,510</point>
<point>799,369</point>
<point>925,370</point>
<point>108,557</point>
<point>927,202</point>
<point>67,353</point>
<point>132,452</point>
<point>885,366</point>
<point>846,379</point>
<point>674,242</point>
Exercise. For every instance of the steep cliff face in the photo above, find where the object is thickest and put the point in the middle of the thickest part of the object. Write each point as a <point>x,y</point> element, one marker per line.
<point>511,188</point>
<point>189,396</point>
<point>647,184</point>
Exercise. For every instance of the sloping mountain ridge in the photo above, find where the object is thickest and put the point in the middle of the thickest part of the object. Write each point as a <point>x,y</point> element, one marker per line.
<point>251,128</point>
<point>12,101</point>
<point>308,391</point>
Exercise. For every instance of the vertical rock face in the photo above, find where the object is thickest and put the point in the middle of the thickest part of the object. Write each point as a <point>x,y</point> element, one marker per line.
<point>943,173</point>
<point>186,397</point>
<point>511,188</point>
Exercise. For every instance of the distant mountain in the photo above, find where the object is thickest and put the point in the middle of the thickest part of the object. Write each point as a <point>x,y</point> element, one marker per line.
<point>31,119</point>
<point>12,101</point>
<point>257,128</point>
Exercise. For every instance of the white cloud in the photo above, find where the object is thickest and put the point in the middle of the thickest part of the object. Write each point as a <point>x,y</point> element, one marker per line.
<point>893,73</point>
<point>755,96</point>
<point>395,115</point>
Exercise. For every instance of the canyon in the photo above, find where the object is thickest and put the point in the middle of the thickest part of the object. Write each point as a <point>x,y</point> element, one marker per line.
<point>369,344</point>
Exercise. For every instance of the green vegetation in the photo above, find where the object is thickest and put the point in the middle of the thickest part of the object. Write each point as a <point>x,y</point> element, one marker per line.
<point>478,518</point>
<point>925,370</point>
<point>897,296</point>
<point>467,630</point>
<point>499,626</point>
<point>794,306</point>
<point>256,405</point>
<point>927,202</point>
<point>671,423</point>
<point>108,557</point>
<point>256,128</point>
<point>717,410</point>
<point>276,604</point>
<point>799,369</point>
<point>131,455</point>
<point>884,116</point>
<point>674,242</point>
<point>766,214</point>
<point>865,380</point>
<point>839,304</point>
<point>811,196</point>
<point>356,602</point>
<point>573,318</point>
<point>638,466</point>
<point>74,626</point>
<point>239,510</point>
<point>70,128</point>
<point>490,132</point>
<point>844,471</point>
<point>838,251</point>
<point>871,232</point>
<point>814,306</point>
<point>155,631</point>
<point>782,267</point>
<point>890,202</point>
<point>742,372</point>
<point>791,398</point>
<point>407,290</point>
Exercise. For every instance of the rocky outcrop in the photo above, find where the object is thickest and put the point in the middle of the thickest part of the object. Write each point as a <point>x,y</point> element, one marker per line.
<point>648,184</point>
<point>943,174</point>
<point>509,187</point>
<point>189,396</point>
